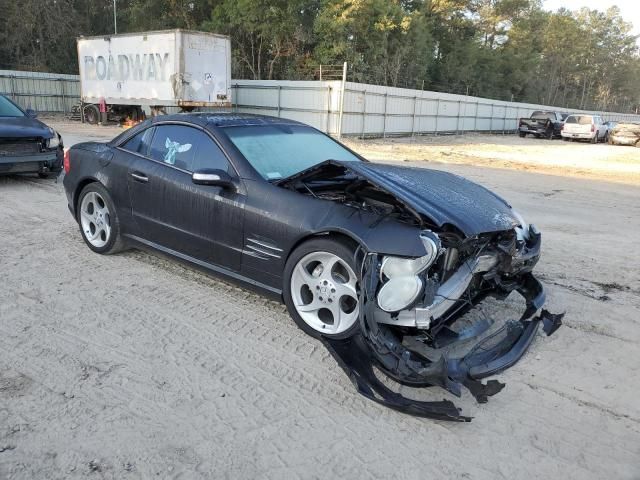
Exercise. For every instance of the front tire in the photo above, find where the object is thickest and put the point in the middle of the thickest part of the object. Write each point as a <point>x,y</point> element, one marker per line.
<point>98,220</point>
<point>321,289</point>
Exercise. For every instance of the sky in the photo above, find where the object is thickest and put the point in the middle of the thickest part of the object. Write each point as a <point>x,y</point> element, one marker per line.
<point>630,9</point>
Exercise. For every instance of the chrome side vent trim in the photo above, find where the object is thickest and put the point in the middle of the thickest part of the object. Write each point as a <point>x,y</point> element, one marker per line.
<point>261,249</point>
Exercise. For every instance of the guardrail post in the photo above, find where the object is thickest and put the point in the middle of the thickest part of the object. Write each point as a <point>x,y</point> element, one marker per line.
<point>342,95</point>
<point>475,117</point>
<point>413,120</point>
<point>504,119</point>
<point>234,99</point>
<point>279,90</point>
<point>64,96</point>
<point>491,120</point>
<point>326,130</point>
<point>364,113</point>
<point>12,79</point>
<point>384,116</point>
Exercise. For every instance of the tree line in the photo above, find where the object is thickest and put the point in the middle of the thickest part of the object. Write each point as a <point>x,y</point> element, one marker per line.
<point>501,49</point>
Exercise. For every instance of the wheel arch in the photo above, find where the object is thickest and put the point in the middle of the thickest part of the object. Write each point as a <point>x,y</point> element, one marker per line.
<point>387,239</point>
<point>76,194</point>
<point>347,238</point>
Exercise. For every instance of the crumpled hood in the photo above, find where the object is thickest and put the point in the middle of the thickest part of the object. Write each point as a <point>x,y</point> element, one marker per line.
<point>19,127</point>
<point>442,197</point>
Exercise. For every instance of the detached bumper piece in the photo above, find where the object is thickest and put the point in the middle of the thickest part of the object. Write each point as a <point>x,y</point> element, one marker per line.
<point>451,360</point>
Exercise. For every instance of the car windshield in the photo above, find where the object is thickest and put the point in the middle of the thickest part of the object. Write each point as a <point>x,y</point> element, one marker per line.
<point>279,151</point>
<point>8,109</point>
<point>580,119</point>
<point>543,116</point>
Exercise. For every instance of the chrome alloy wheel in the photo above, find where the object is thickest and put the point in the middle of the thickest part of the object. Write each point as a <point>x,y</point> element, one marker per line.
<point>323,289</point>
<point>95,219</point>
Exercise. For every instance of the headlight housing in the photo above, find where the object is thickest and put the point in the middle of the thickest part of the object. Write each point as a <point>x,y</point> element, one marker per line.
<point>522,232</point>
<point>54,141</point>
<point>403,284</point>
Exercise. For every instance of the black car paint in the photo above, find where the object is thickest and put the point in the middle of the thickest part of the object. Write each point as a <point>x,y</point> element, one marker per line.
<point>170,212</point>
<point>17,129</point>
<point>246,233</point>
<point>446,199</point>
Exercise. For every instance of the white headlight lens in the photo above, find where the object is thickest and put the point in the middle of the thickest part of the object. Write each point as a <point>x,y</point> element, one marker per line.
<point>393,267</point>
<point>399,293</point>
<point>54,141</point>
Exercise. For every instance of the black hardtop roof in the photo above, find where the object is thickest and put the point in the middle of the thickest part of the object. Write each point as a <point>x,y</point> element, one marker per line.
<point>225,119</point>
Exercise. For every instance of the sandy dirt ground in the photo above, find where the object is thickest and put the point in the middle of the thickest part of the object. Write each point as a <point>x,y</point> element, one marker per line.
<point>134,366</point>
<point>612,163</point>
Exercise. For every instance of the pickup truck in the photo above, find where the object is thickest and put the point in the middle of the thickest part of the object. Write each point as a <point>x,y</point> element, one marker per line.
<point>542,124</point>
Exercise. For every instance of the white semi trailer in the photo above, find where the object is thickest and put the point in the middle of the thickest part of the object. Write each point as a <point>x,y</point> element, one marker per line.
<point>134,74</point>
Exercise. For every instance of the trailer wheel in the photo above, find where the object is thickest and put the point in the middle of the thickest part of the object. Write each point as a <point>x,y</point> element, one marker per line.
<point>91,114</point>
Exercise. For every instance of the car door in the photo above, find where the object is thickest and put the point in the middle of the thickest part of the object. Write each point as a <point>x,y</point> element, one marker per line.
<point>200,221</point>
<point>602,127</point>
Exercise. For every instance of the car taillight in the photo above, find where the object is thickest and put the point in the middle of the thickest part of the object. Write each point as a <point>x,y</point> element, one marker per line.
<point>562,127</point>
<point>66,162</point>
<point>593,127</point>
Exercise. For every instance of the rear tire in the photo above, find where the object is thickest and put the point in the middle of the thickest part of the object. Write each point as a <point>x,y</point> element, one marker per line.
<point>98,220</point>
<point>522,135</point>
<point>91,114</point>
<point>320,288</point>
<point>595,139</point>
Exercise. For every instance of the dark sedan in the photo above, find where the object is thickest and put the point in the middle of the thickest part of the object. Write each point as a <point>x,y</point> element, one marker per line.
<point>380,262</point>
<point>26,144</point>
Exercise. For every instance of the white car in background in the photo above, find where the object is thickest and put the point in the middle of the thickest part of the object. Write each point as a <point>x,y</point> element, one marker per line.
<point>585,127</point>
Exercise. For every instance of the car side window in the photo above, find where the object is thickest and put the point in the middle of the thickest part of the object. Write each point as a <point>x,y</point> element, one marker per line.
<point>140,142</point>
<point>186,148</point>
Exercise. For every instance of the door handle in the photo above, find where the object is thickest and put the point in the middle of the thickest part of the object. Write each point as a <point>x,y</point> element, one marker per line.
<point>139,177</point>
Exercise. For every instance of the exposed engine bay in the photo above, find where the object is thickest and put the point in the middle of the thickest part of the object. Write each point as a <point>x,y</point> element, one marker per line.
<point>413,322</point>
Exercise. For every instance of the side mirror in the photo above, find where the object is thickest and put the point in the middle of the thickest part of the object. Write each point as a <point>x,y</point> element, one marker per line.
<point>31,113</point>
<point>213,177</point>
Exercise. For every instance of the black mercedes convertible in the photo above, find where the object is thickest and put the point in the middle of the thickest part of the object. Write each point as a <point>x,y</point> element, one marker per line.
<point>382,263</point>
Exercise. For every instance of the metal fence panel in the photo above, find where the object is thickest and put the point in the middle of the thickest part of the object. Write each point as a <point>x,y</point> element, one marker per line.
<point>44,92</point>
<point>367,110</point>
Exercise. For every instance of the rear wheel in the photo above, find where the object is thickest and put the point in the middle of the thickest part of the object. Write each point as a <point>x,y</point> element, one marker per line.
<point>595,138</point>
<point>321,289</point>
<point>91,114</point>
<point>98,220</point>
<point>522,134</point>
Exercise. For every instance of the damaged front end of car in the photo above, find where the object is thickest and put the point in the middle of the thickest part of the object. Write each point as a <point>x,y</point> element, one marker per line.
<point>415,316</point>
